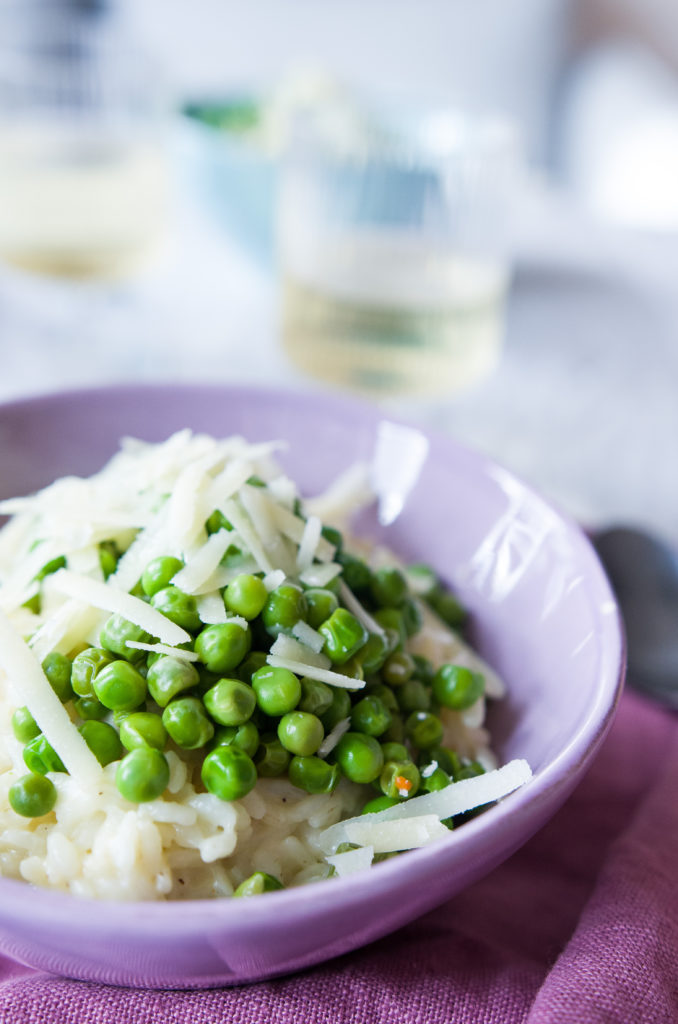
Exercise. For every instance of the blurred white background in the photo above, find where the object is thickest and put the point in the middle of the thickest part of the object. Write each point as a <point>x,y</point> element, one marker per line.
<point>583,403</point>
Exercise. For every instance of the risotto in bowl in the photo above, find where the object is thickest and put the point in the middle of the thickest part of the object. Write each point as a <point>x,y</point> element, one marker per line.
<point>276,675</point>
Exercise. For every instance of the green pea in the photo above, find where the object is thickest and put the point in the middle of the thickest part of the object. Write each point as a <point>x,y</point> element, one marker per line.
<point>143,729</point>
<point>223,646</point>
<point>179,607</point>
<point>271,758</point>
<point>57,667</point>
<point>398,668</point>
<point>334,537</point>
<point>85,667</point>
<point>347,847</point>
<point>449,609</point>
<point>187,723</point>
<point>142,775</point>
<point>257,883</point>
<point>116,633</point>
<point>321,603</point>
<point>24,726</point>
<point>413,696</point>
<point>233,557</point>
<point>457,687</point>
<point>433,778</point>
<point>344,634</point>
<point>246,595</point>
<point>469,771</point>
<point>32,796</point>
<point>373,653</point>
<point>103,740</point>
<point>360,757</point>
<point>352,668</point>
<point>395,752</point>
<point>447,759</point>
<point>41,757</point>
<point>370,716</point>
<point>245,736</point>
<point>424,729</point>
<point>412,617</point>
<point>50,567</point>
<point>423,669</point>
<point>388,587</point>
<point>300,732</point>
<point>395,732</point>
<point>385,695</point>
<point>170,676</point>
<point>217,521</point>
<point>316,697</point>
<point>120,687</point>
<point>379,803</point>
<point>228,772</point>
<point>392,619</point>
<point>159,573</point>
<point>108,557</point>
<point>339,709</point>
<point>277,689</point>
<point>313,775</point>
<point>90,709</point>
<point>399,779</point>
<point>230,702</point>
<point>422,580</point>
<point>34,603</point>
<point>254,661</point>
<point>285,606</point>
<point>356,574</point>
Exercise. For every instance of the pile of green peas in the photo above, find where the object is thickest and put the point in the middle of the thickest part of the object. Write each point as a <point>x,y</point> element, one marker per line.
<point>239,718</point>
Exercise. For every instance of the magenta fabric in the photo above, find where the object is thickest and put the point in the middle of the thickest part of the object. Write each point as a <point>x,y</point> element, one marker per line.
<point>578,927</point>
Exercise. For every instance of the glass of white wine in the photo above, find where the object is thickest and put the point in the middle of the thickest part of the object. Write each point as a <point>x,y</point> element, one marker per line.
<point>393,248</point>
<point>83,172</point>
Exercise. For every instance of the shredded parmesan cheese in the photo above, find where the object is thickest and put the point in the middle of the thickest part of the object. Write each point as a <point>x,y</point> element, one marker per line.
<point>211,609</point>
<point>354,605</point>
<point>323,675</point>
<point>31,687</point>
<point>308,636</point>
<point>173,652</point>
<point>456,798</point>
<point>333,737</point>
<point>392,836</point>
<point>309,543</point>
<point>352,861</point>
<point>203,563</point>
<point>119,603</point>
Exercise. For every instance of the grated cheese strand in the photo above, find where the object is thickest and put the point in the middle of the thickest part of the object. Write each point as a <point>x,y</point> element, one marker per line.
<point>296,650</point>
<point>173,652</point>
<point>351,862</point>
<point>333,737</point>
<point>119,602</point>
<point>201,566</point>
<point>323,675</point>
<point>354,606</point>
<point>32,688</point>
<point>248,535</point>
<point>393,836</point>
<point>308,543</point>
<point>456,798</point>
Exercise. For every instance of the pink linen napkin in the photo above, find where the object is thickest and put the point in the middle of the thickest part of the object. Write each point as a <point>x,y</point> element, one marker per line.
<point>578,927</point>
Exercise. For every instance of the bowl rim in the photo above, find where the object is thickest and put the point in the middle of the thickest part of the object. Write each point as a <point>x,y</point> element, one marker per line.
<point>558,776</point>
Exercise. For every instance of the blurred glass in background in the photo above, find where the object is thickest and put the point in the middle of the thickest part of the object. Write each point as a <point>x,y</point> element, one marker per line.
<point>83,167</point>
<point>393,247</point>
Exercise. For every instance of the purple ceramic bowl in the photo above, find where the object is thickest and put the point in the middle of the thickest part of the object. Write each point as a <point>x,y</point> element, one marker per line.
<point>544,616</point>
